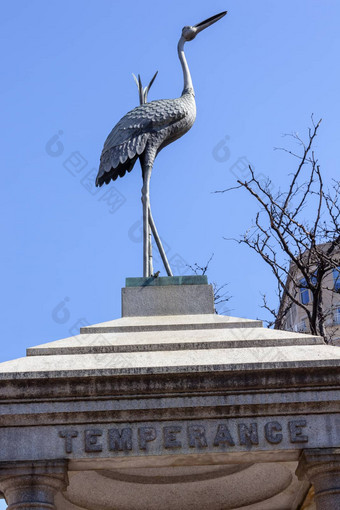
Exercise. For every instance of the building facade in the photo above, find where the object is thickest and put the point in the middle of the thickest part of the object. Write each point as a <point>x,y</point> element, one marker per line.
<point>295,318</point>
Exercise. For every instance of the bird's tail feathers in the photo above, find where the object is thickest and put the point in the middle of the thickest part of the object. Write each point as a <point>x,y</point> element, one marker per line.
<point>113,174</point>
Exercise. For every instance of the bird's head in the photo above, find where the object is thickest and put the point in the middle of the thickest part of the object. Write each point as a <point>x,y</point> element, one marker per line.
<point>189,33</point>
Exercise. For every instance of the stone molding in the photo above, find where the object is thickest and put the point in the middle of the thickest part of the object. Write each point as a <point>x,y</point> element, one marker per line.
<point>32,485</point>
<point>174,392</point>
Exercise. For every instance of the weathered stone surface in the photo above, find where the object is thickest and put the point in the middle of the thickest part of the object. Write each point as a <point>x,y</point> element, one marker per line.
<point>170,362</point>
<point>197,487</point>
<point>185,322</point>
<point>167,300</point>
<point>140,406</point>
<point>322,468</point>
<point>172,339</point>
<point>33,485</point>
<point>209,437</point>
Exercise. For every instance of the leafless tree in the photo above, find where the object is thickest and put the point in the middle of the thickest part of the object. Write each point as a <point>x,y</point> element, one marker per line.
<point>221,295</point>
<point>297,233</point>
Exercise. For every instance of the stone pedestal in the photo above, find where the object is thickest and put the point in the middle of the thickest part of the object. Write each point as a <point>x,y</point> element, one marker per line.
<point>175,295</point>
<point>322,468</point>
<point>32,485</point>
<point>173,411</point>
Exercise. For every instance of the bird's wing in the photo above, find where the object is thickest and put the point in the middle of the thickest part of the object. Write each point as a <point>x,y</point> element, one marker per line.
<point>128,138</point>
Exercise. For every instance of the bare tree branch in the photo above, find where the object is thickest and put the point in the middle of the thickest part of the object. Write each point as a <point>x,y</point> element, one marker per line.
<point>220,294</point>
<point>300,252</point>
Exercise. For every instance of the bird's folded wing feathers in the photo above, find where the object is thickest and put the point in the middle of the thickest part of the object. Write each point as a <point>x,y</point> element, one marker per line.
<point>131,133</point>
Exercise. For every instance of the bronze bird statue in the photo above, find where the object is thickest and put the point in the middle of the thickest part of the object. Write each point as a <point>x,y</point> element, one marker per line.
<point>143,132</point>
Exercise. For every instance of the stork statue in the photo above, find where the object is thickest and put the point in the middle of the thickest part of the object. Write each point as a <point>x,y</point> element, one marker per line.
<point>143,132</point>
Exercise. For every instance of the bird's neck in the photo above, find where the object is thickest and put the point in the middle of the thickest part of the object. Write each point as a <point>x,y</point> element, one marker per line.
<point>186,73</point>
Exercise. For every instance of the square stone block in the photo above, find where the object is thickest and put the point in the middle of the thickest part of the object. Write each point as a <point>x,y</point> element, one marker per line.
<point>167,300</point>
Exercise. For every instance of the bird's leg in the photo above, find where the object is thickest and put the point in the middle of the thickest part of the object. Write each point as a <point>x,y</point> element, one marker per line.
<point>146,204</point>
<point>159,245</point>
<point>150,249</point>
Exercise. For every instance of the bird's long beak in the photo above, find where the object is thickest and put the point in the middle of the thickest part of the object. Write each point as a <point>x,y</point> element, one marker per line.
<point>206,23</point>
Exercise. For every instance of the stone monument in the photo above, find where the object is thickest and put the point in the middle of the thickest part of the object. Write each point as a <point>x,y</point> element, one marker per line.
<point>172,406</point>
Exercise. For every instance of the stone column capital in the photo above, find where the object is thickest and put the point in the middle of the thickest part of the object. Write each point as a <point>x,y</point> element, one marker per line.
<point>321,466</point>
<point>32,485</point>
<point>316,461</point>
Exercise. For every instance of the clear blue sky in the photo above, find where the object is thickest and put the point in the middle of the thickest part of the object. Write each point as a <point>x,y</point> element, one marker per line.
<point>66,69</point>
